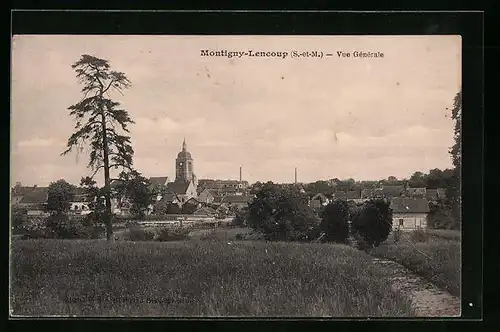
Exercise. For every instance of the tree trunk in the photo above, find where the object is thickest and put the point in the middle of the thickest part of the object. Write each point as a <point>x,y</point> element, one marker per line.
<point>107,184</point>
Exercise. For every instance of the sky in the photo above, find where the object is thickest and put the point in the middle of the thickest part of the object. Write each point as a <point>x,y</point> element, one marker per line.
<point>331,117</point>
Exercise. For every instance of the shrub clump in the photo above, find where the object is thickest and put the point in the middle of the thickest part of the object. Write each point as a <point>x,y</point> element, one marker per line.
<point>138,234</point>
<point>334,221</point>
<point>372,222</point>
<point>61,226</point>
<point>171,234</point>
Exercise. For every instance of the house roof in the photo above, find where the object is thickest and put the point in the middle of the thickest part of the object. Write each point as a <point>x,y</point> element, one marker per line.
<point>236,199</point>
<point>35,196</point>
<point>351,194</point>
<point>192,200</point>
<point>205,210</point>
<point>158,180</point>
<point>319,196</point>
<point>21,191</point>
<point>409,205</point>
<point>178,187</point>
<point>392,190</point>
<point>169,198</point>
<point>205,192</point>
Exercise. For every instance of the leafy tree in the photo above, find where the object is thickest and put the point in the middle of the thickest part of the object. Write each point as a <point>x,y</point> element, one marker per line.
<point>60,195</point>
<point>440,216</point>
<point>334,221</point>
<point>324,187</point>
<point>373,222</point>
<point>240,218</point>
<point>418,180</point>
<point>281,214</point>
<point>453,191</point>
<point>100,123</point>
<point>136,189</point>
<point>392,179</point>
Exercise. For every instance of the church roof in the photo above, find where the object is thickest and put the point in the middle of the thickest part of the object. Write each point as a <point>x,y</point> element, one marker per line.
<point>169,198</point>
<point>158,180</point>
<point>184,155</point>
<point>178,187</point>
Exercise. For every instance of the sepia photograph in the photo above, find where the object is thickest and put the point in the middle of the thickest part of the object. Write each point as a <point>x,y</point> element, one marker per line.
<point>235,176</point>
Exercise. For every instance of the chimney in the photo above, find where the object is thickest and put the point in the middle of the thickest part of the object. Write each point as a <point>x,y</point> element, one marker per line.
<point>240,173</point>
<point>295,175</point>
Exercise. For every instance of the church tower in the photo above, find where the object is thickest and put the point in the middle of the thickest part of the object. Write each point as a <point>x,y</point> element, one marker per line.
<point>184,165</point>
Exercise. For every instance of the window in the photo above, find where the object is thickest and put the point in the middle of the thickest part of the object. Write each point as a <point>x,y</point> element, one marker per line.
<point>401,222</point>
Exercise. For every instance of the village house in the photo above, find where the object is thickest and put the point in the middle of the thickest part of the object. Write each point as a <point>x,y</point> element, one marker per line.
<point>236,201</point>
<point>318,201</point>
<point>409,213</point>
<point>80,204</point>
<point>34,200</point>
<point>205,196</point>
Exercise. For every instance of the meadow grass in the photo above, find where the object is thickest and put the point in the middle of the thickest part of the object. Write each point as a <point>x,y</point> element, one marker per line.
<point>442,266</point>
<point>448,234</point>
<point>198,278</point>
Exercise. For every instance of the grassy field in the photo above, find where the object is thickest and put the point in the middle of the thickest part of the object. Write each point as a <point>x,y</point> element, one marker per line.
<point>437,259</point>
<point>198,278</point>
<point>448,234</point>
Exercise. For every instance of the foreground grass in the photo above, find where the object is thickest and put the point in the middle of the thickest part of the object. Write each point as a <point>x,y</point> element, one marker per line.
<point>442,266</point>
<point>198,278</point>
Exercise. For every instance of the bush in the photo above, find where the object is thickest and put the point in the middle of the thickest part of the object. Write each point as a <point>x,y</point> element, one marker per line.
<point>19,217</point>
<point>373,222</point>
<point>281,214</point>
<point>440,216</point>
<point>138,234</point>
<point>419,236</point>
<point>335,222</point>
<point>171,234</point>
<point>240,218</point>
<point>63,227</point>
<point>36,228</point>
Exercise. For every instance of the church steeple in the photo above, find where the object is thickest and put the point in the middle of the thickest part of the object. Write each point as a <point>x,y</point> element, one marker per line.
<point>184,165</point>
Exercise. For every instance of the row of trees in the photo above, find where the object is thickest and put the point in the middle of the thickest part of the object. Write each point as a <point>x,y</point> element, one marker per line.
<point>283,214</point>
<point>435,178</point>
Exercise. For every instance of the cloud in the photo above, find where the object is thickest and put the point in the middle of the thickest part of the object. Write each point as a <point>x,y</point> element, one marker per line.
<point>39,143</point>
<point>147,125</point>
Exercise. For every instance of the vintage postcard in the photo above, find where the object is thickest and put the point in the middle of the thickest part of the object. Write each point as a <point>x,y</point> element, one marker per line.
<point>235,176</point>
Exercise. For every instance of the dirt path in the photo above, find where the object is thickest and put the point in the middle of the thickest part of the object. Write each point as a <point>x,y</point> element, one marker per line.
<point>427,299</point>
